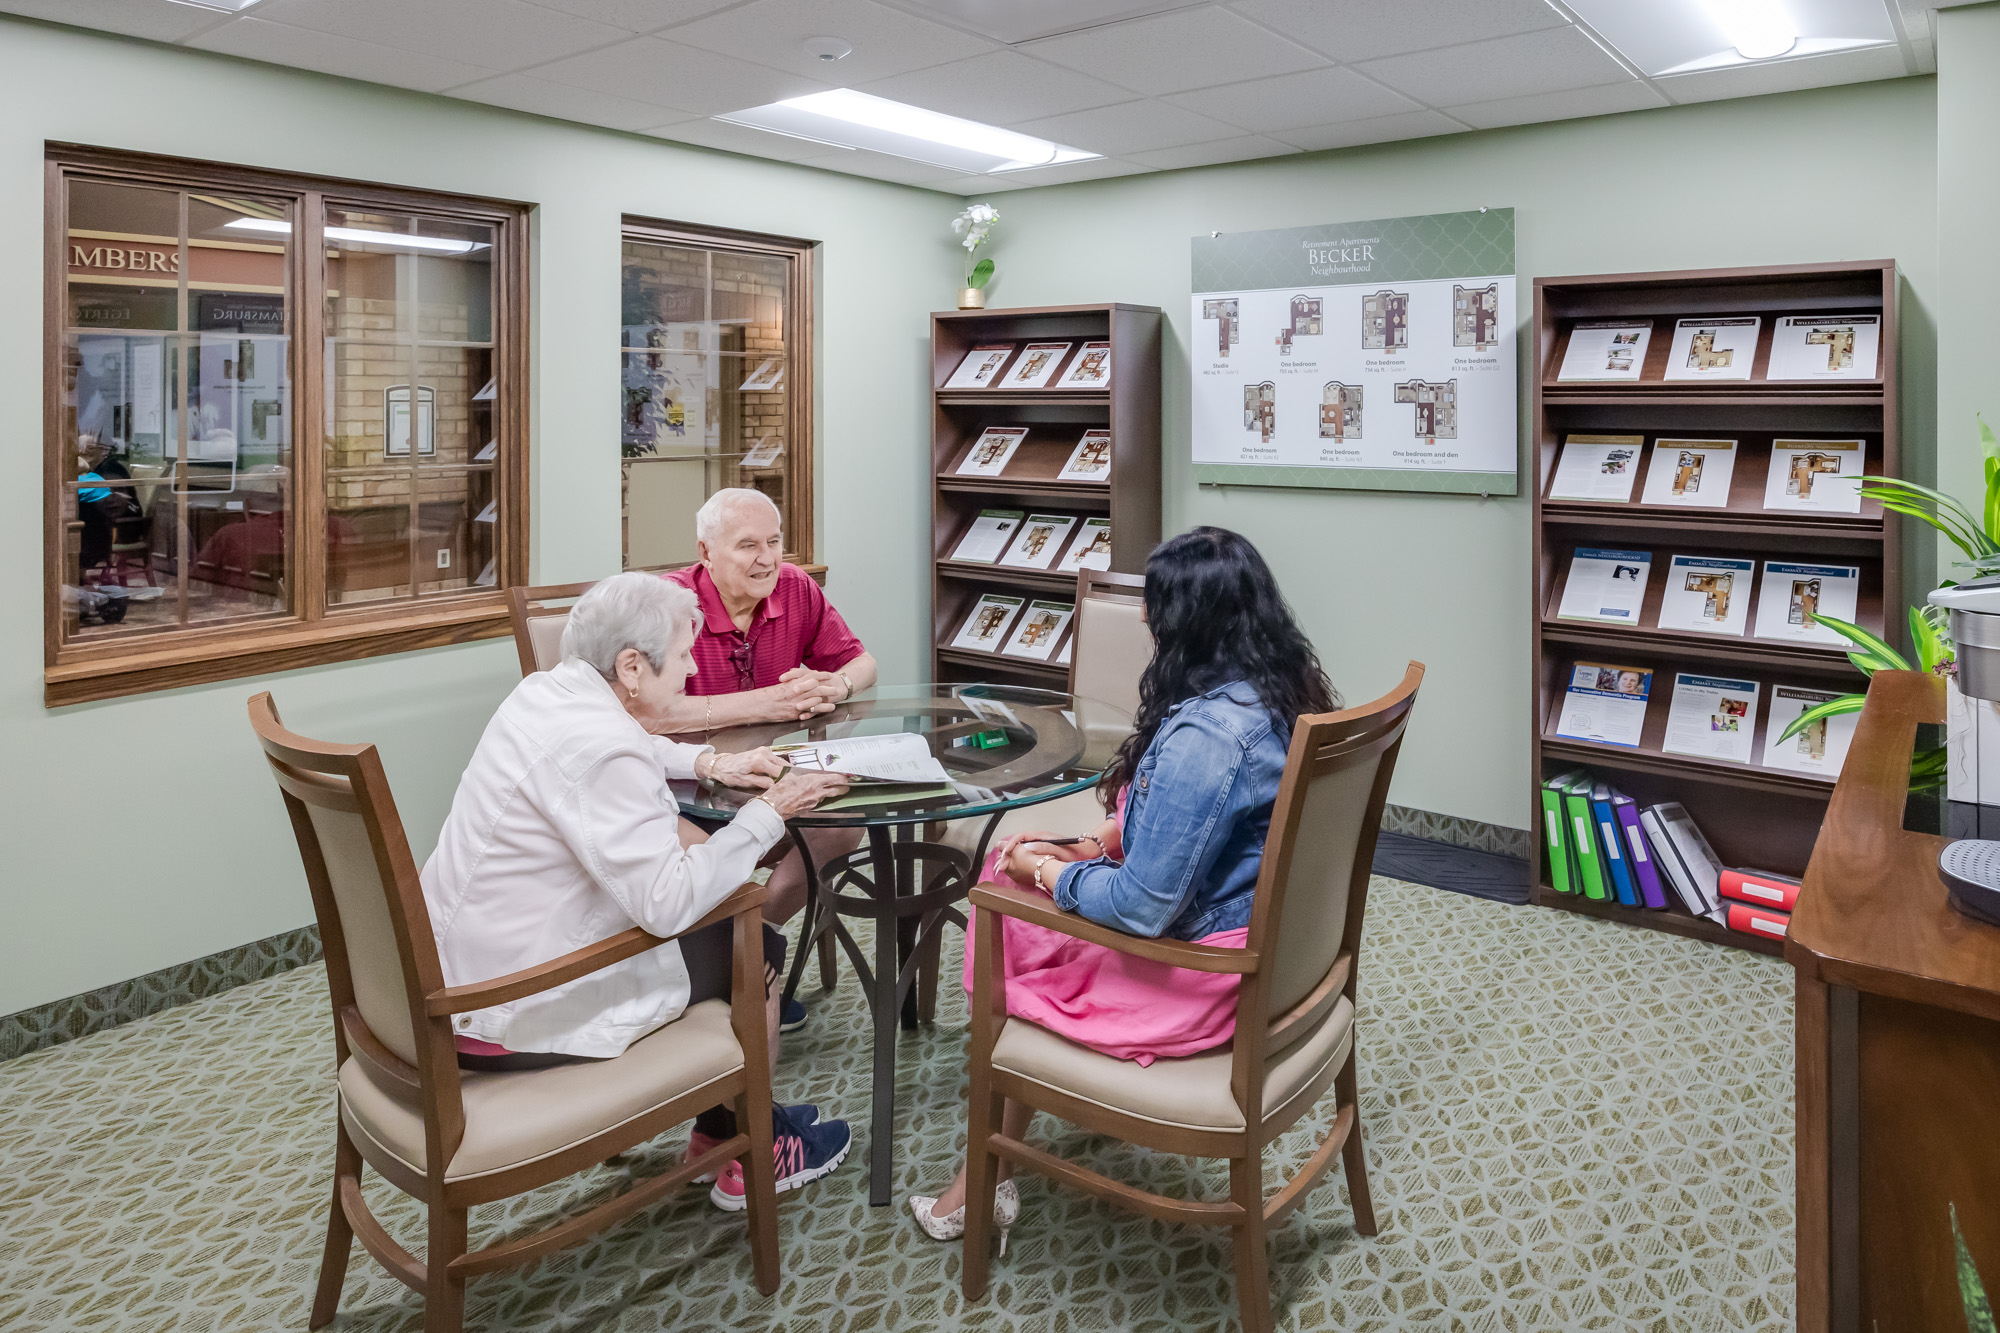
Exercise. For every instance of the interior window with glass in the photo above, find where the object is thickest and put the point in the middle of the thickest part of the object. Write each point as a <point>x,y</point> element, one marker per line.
<point>231,487</point>
<point>716,385</point>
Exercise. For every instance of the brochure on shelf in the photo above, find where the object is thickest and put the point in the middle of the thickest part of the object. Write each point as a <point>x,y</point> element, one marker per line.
<point>987,538</point>
<point>900,756</point>
<point>1790,596</point>
<point>1062,658</point>
<point>1091,549</point>
<point>768,376</point>
<point>1597,467</point>
<point>1714,349</point>
<point>1816,476</point>
<point>1707,593</point>
<point>1714,717</point>
<point>1605,585</point>
<point>765,453</point>
<point>1090,460</point>
<point>1090,370</point>
<point>1606,349</point>
<point>981,367</point>
<point>1690,472</point>
<point>1821,748</point>
<point>1605,703</point>
<point>1039,631</point>
<point>1039,541</point>
<point>985,629</point>
<point>992,451</point>
<point>1825,347</point>
<point>1036,367</point>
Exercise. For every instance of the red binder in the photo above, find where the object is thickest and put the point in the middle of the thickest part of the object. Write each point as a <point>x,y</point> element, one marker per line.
<point>1759,889</point>
<point>1758,920</point>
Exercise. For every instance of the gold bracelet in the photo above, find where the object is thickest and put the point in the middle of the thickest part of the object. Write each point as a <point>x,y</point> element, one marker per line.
<point>1037,876</point>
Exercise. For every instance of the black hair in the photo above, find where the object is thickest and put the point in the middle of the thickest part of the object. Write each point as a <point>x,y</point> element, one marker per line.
<point>1217,616</point>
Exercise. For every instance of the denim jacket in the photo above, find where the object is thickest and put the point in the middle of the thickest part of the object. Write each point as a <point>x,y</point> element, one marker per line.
<point>1195,820</point>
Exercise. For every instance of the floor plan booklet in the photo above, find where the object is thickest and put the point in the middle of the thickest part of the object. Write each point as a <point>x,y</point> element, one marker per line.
<point>1690,472</point>
<point>1606,349</point>
<point>1790,597</point>
<point>1377,355</point>
<point>1818,476</point>
<point>1714,717</point>
<point>1830,347</point>
<point>898,757</point>
<point>1714,349</point>
<point>1821,747</point>
<point>1710,594</point>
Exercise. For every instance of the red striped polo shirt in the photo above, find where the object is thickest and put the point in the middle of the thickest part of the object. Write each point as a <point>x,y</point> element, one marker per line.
<point>794,626</point>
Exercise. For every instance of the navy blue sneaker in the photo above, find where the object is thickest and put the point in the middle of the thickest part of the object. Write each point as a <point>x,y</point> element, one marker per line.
<point>804,1151</point>
<point>791,1016</point>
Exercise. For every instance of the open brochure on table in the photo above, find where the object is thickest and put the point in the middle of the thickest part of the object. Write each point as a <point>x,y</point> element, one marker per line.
<point>899,757</point>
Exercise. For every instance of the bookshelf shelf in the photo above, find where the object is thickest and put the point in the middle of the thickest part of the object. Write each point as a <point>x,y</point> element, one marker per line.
<point>1754,816</point>
<point>1056,420</point>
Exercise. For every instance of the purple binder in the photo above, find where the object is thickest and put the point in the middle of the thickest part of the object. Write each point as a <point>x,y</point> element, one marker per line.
<point>1643,869</point>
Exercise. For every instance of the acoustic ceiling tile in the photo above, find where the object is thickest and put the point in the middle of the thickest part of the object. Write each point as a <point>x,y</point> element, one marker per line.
<point>1605,100</point>
<point>1379,129</point>
<point>1350,30</point>
<point>1312,97</point>
<point>1168,53</point>
<point>886,42</point>
<point>1001,88</point>
<point>1208,154</point>
<point>651,69</point>
<point>497,34</point>
<point>1487,71</point>
<point>1129,127</point>
<point>588,106</point>
<point>302,48</point>
<point>155,20</point>
<point>636,15</point>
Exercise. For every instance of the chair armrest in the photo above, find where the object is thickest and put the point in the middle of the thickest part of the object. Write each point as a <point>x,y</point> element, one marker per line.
<point>1041,911</point>
<point>590,958</point>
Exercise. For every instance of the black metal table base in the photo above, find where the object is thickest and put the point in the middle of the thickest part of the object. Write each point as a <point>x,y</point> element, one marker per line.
<point>909,888</point>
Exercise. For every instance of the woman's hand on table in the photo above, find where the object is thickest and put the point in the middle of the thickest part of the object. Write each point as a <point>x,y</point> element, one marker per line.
<point>751,770</point>
<point>797,792</point>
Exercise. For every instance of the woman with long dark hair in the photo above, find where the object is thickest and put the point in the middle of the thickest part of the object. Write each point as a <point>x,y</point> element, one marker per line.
<point>1189,798</point>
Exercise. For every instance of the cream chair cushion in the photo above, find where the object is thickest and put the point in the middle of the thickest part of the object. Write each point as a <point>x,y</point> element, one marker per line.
<point>1190,1093</point>
<point>545,639</point>
<point>515,1118</point>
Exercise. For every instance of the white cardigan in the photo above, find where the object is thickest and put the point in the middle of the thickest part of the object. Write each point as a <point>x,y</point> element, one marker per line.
<point>563,832</point>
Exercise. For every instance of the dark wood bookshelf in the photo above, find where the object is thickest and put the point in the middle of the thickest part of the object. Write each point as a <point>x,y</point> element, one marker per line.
<point>1056,419</point>
<point>1754,816</point>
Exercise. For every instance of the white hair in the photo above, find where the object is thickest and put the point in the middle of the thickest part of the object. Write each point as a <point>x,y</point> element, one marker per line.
<point>633,610</point>
<point>708,519</point>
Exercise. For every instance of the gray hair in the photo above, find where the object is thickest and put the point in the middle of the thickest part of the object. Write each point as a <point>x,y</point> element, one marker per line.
<point>633,610</point>
<point>708,519</point>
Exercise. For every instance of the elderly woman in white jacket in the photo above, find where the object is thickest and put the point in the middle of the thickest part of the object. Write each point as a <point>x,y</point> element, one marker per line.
<point>564,831</point>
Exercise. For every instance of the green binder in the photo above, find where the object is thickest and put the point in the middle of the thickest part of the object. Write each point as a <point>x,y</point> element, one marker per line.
<point>1562,858</point>
<point>1582,820</point>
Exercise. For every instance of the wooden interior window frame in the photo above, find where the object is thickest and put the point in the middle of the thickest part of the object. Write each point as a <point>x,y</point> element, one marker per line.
<point>311,633</point>
<point>802,444</point>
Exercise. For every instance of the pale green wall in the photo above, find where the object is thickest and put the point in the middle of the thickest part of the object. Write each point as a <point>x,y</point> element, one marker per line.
<point>139,833</point>
<point>1845,173</point>
<point>1968,157</point>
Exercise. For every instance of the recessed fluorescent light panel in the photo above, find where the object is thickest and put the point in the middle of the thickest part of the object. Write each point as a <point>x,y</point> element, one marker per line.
<point>1665,37</point>
<point>847,119</point>
<point>221,6</point>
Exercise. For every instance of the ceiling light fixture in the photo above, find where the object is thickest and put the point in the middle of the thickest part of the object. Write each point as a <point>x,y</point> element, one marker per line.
<point>828,49</point>
<point>220,6</point>
<point>361,236</point>
<point>848,119</point>
<point>1758,29</point>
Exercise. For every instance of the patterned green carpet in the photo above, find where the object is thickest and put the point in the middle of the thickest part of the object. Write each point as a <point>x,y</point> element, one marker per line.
<point>1570,1126</point>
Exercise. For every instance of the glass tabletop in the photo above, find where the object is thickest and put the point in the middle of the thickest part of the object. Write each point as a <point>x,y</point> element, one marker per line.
<point>1001,746</point>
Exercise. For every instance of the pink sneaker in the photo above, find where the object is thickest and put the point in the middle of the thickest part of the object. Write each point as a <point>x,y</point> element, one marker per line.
<point>803,1151</point>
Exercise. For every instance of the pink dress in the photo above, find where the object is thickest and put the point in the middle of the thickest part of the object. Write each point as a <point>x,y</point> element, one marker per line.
<point>1131,1008</point>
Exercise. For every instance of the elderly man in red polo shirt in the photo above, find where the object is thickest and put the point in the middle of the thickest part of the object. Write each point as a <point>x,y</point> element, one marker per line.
<point>771,649</point>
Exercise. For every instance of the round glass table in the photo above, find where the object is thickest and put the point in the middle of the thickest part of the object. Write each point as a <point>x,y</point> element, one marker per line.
<point>1002,748</point>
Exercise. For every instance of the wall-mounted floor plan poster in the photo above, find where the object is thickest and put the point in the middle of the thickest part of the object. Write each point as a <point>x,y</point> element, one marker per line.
<point>1414,316</point>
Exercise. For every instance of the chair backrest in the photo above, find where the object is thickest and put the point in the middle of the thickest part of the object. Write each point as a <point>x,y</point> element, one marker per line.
<point>381,957</point>
<point>1112,644</point>
<point>1313,885</point>
<point>539,616</point>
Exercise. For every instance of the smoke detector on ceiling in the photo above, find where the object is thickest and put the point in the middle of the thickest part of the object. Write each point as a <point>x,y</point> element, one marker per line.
<point>828,49</point>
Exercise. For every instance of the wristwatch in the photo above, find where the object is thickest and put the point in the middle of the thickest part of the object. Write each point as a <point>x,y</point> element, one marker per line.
<point>848,683</point>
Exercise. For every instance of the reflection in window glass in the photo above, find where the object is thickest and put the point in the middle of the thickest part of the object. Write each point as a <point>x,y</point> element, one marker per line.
<point>411,407</point>
<point>704,370</point>
<point>176,410</point>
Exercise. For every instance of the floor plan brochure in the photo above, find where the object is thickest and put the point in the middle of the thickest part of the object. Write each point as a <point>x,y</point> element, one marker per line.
<point>991,452</point>
<point>1828,347</point>
<point>1707,593</point>
<point>981,367</point>
<point>988,536</point>
<point>898,757</point>
<point>1605,585</point>
<point>1606,349</point>
<point>1690,472</point>
<point>1713,717</point>
<point>1714,349</point>
<point>1818,476</point>
<point>1790,596</point>
<point>1597,467</point>
<point>1821,748</point>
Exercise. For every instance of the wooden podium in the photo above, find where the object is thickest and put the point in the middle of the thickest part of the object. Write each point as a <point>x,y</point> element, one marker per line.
<point>1898,1052</point>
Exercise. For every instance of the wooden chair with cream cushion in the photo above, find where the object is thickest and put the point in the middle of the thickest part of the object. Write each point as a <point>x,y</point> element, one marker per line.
<point>1294,1026</point>
<point>454,1139</point>
<point>540,616</point>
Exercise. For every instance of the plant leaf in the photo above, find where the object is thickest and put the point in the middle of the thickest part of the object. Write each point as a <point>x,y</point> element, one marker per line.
<point>1846,703</point>
<point>984,270</point>
<point>1935,508</point>
<point>1930,645</point>
<point>1971,1291</point>
<point>1873,649</point>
